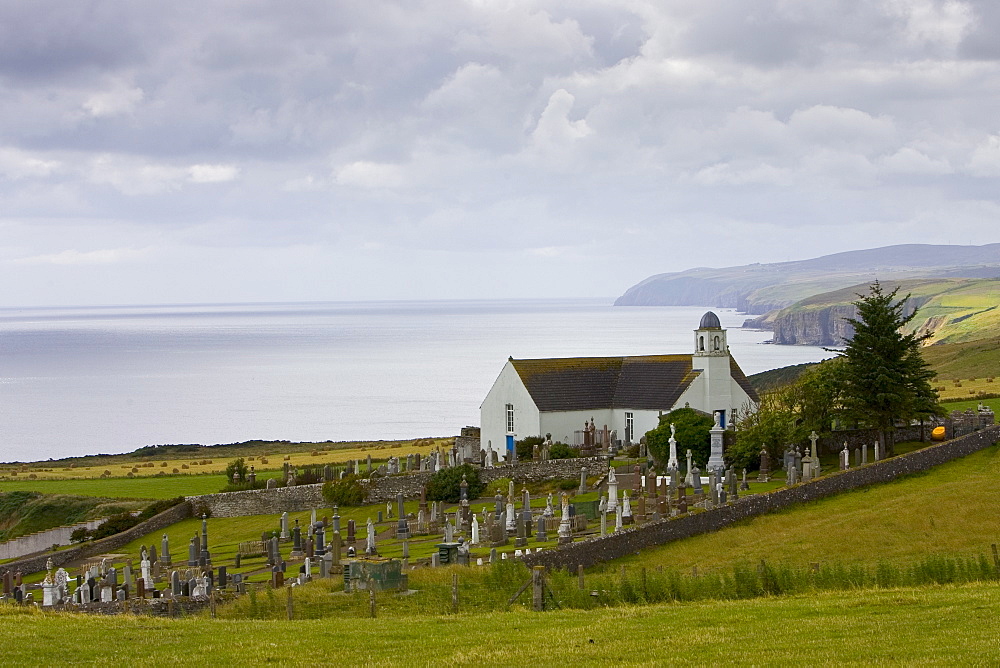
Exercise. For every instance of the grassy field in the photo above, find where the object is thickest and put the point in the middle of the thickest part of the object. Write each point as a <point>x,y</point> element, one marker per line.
<point>966,404</point>
<point>149,462</point>
<point>942,511</point>
<point>166,487</point>
<point>938,625</point>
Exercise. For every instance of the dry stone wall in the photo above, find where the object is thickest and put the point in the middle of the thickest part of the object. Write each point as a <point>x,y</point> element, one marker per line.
<point>382,489</point>
<point>631,541</point>
<point>36,563</point>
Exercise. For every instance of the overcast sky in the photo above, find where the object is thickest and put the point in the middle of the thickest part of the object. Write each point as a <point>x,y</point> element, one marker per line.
<point>254,151</point>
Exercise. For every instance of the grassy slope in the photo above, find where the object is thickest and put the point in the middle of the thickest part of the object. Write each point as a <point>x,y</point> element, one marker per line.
<point>949,625</point>
<point>22,513</point>
<point>129,488</point>
<point>974,359</point>
<point>956,310</point>
<point>944,511</point>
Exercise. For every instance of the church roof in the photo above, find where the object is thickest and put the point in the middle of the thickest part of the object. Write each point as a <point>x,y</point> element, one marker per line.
<point>741,378</point>
<point>652,382</point>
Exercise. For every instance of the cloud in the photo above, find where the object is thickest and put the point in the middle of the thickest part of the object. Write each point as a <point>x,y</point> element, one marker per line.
<point>985,159</point>
<point>16,164</point>
<point>492,134</point>
<point>73,257</point>
<point>120,99</point>
<point>365,174</point>
<point>213,173</point>
<point>554,125</point>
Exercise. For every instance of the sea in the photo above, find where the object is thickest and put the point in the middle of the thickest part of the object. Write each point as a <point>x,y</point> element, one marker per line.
<point>87,380</point>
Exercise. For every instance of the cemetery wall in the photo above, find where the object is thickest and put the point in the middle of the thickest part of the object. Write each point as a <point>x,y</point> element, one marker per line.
<point>631,541</point>
<point>383,489</point>
<point>36,563</point>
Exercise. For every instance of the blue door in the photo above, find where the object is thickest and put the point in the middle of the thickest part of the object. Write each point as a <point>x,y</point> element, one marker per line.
<point>510,447</point>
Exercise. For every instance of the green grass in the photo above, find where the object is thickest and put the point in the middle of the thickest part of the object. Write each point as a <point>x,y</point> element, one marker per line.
<point>945,625</point>
<point>22,513</point>
<point>166,487</point>
<point>993,403</point>
<point>944,511</point>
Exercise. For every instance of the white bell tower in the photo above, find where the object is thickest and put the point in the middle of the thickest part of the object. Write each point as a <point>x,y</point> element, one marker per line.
<point>710,338</point>
<point>711,355</point>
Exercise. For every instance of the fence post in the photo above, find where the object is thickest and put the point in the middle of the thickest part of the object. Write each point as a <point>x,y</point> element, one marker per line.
<point>454,593</point>
<point>371,598</point>
<point>538,601</point>
<point>211,601</point>
<point>291,612</point>
<point>579,576</point>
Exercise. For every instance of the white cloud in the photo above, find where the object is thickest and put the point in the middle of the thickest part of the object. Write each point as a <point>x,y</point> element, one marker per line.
<point>909,160</point>
<point>365,174</point>
<point>17,164</point>
<point>728,173</point>
<point>985,159</point>
<point>554,126</point>
<point>213,173</point>
<point>119,99</point>
<point>136,177</point>
<point>73,257</point>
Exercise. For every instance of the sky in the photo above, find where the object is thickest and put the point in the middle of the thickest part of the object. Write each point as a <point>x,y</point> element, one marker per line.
<point>231,151</point>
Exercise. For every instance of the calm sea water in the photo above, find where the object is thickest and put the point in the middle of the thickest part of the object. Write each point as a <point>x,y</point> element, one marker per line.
<point>88,380</point>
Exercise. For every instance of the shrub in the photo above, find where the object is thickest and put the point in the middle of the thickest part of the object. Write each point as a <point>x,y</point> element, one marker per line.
<point>115,524</point>
<point>348,491</point>
<point>568,484</point>
<point>236,466</point>
<point>563,451</point>
<point>445,485</point>
<point>525,448</point>
<point>158,507</point>
<point>79,535</point>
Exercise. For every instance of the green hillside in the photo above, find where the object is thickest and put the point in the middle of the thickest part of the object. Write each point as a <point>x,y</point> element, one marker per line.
<point>939,512</point>
<point>759,288</point>
<point>952,310</point>
<point>24,512</point>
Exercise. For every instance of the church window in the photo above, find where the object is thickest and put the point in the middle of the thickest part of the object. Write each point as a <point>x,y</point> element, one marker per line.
<point>716,343</point>
<point>510,418</point>
<point>701,343</point>
<point>628,427</point>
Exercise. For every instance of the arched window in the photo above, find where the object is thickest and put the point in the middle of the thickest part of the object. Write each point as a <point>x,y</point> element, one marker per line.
<point>716,343</point>
<point>701,343</point>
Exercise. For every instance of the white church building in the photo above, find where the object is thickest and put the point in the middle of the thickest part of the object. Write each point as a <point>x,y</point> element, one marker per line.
<point>535,397</point>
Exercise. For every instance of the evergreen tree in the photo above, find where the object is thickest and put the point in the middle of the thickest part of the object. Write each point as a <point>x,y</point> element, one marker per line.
<point>885,378</point>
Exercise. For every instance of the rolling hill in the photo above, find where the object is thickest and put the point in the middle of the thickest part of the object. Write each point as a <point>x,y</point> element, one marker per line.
<point>759,288</point>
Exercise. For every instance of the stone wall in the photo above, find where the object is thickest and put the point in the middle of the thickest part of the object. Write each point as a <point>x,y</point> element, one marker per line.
<point>43,540</point>
<point>36,563</point>
<point>382,489</point>
<point>595,550</point>
<point>261,501</point>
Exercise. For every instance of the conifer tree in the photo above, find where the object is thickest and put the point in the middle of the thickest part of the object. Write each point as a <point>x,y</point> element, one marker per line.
<point>886,380</point>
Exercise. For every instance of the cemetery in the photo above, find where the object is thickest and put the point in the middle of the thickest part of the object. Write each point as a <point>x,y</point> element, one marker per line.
<point>396,546</point>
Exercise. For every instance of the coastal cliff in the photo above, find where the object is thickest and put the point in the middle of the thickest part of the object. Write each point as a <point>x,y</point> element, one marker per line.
<point>950,310</point>
<point>814,327</point>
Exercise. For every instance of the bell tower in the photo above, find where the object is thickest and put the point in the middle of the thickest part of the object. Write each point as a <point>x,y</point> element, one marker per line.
<point>711,354</point>
<point>710,338</point>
